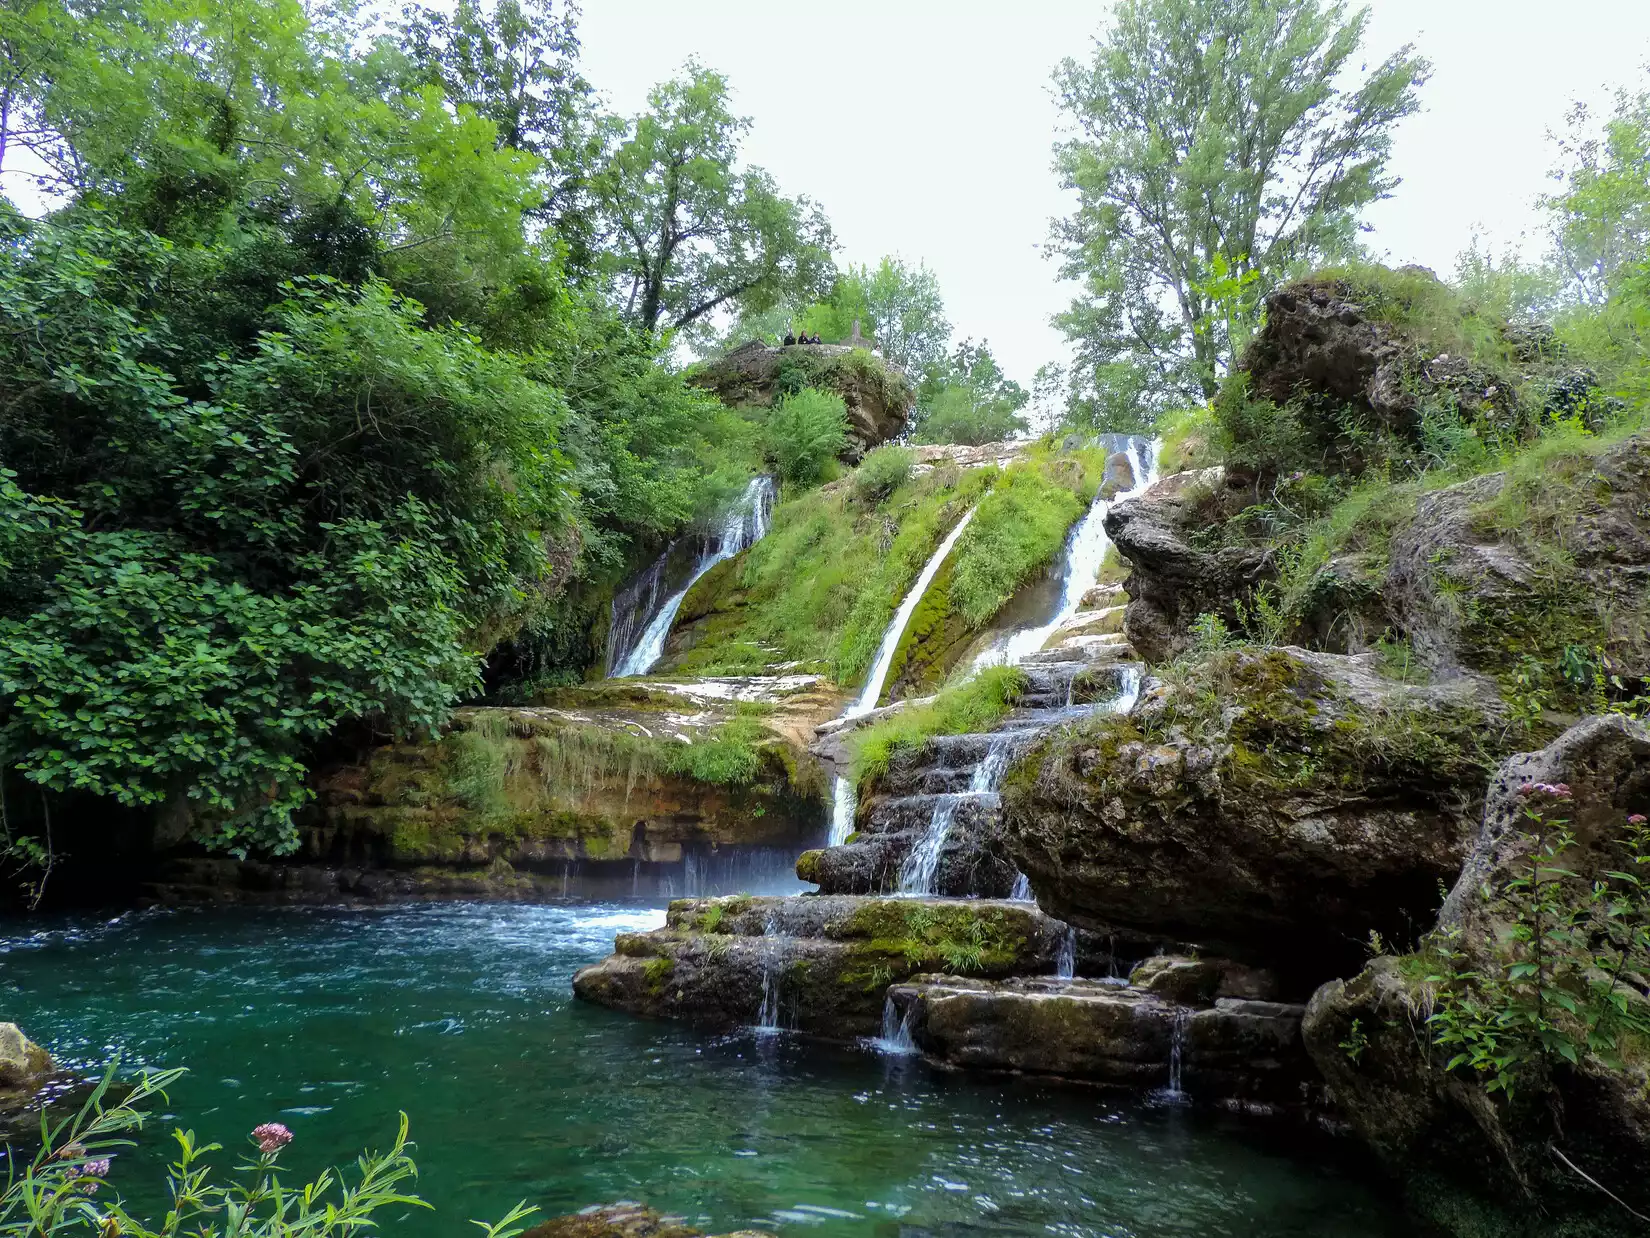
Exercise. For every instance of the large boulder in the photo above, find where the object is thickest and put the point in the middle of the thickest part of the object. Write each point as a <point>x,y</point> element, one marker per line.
<point>1326,338</point>
<point>1569,1132</point>
<point>1172,577</point>
<point>879,396</point>
<point>1273,804</point>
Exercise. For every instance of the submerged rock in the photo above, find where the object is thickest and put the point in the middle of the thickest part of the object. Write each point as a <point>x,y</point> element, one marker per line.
<point>623,1221</point>
<point>1276,805</point>
<point>816,963</point>
<point>1372,1037</point>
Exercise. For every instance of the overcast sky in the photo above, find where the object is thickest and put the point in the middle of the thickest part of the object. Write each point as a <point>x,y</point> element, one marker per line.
<point>925,128</point>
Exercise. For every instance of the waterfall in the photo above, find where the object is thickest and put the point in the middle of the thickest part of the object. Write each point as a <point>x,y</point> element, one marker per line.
<point>1177,1047</point>
<point>744,524</point>
<point>890,639</point>
<point>767,1017</point>
<point>1086,548</point>
<point>1065,959</point>
<point>896,1036</point>
<point>922,863</point>
<point>1021,893</point>
<point>843,804</point>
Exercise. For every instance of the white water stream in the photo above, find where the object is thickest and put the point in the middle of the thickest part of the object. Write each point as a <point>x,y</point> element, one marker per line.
<point>745,524</point>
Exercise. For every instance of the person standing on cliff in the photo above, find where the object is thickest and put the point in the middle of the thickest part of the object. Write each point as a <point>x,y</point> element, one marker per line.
<point>790,338</point>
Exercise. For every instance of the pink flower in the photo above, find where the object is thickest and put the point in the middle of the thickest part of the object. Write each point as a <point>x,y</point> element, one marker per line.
<point>271,1137</point>
<point>1637,818</point>
<point>96,1169</point>
<point>1558,790</point>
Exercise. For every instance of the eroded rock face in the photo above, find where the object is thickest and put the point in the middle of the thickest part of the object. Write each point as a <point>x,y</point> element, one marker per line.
<point>1573,572</point>
<point>878,395</point>
<point>816,964</point>
<point>1275,805</point>
<point>1319,340</point>
<point>1171,579</point>
<point>1371,1039</point>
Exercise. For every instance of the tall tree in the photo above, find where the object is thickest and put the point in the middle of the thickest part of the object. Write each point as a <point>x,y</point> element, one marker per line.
<point>694,233</point>
<point>968,399</point>
<point>517,66</point>
<point>1218,145</point>
<point>897,305</point>
<point>1601,221</point>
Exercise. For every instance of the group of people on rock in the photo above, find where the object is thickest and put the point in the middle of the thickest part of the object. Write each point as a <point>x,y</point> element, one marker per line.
<point>801,337</point>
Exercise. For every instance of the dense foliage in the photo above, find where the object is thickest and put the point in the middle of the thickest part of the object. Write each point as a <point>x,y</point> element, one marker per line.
<point>318,410</point>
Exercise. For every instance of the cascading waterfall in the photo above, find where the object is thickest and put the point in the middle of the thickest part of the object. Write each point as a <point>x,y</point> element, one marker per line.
<point>1177,1047</point>
<point>922,863</point>
<point>745,524</point>
<point>868,696</point>
<point>896,1038</point>
<point>1065,958</point>
<point>1021,893</point>
<point>1085,550</point>
<point>767,1017</point>
<point>844,794</point>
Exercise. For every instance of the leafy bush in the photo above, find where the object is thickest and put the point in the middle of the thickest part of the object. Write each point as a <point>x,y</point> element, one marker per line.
<point>884,470</point>
<point>1561,982</point>
<point>805,431</point>
<point>975,704</point>
<point>957,415</point>
<point>58,1192</point>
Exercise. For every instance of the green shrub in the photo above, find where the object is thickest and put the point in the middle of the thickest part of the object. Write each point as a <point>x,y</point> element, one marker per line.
<point>1018,530</point>
<point>975,704</point>
<point>883,471</point>
<point>805,432</point>
<point>956,415</point>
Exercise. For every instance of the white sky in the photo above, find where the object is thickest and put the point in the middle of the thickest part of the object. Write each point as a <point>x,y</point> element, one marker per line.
<point>925,128</point>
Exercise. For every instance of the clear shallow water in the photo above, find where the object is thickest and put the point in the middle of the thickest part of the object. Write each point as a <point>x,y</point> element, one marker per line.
<point>332,1021</point>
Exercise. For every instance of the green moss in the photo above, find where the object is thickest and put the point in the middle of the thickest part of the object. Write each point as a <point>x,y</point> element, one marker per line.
<point>976,704</point>
<point>657,973</point>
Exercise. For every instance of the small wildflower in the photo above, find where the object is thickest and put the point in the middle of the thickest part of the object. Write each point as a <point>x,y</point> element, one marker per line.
<point>1558,790</point>
<point>96,1169</point>
<point>271,1137</point>
<point>1637,818</point>
<point>88,1188</point>
<point>71,1150</point>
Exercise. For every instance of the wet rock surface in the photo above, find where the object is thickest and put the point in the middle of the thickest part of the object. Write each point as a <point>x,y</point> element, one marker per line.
<point>622,1220</point>
<point>815,963</point>
<point>1227,1050</point>
<point>25,1068</point>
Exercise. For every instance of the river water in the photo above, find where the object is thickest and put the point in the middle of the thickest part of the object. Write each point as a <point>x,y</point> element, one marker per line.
<point>333,1020</point>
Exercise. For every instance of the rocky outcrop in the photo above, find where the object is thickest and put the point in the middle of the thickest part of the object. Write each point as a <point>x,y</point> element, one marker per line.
<point>1325,338</point>
<point>24,1068</point>
<point>1497,569</point>
<point>1373,1036</point>
<point>1276,805</point>
<point>1172,579</point>
<point>1228,1050</point>
<point>817,964</point>
<point>878,395</point>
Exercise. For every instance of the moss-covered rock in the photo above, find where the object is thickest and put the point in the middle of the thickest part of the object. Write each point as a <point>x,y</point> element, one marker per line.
<point>24,1068</point>
<point>1503,1164</point>
<point>824,962</point>
<point>1273,804</point>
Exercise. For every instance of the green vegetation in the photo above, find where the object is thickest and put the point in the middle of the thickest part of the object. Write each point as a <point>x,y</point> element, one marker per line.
<point>1561,982</point>
<point>975,704</point>
<point>1279,145</point>
<point>58,1191</point>
<point>882,472</point>
<point>966,398</point>
<point>806,431</point>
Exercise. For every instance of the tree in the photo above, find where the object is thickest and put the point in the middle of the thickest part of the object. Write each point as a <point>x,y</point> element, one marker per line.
<point>1601,220</point>
<point>518,68</point>
<point>691,232</point>
<point>896,305</point>
<point>1213,132</point>
<point>972,400</point>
